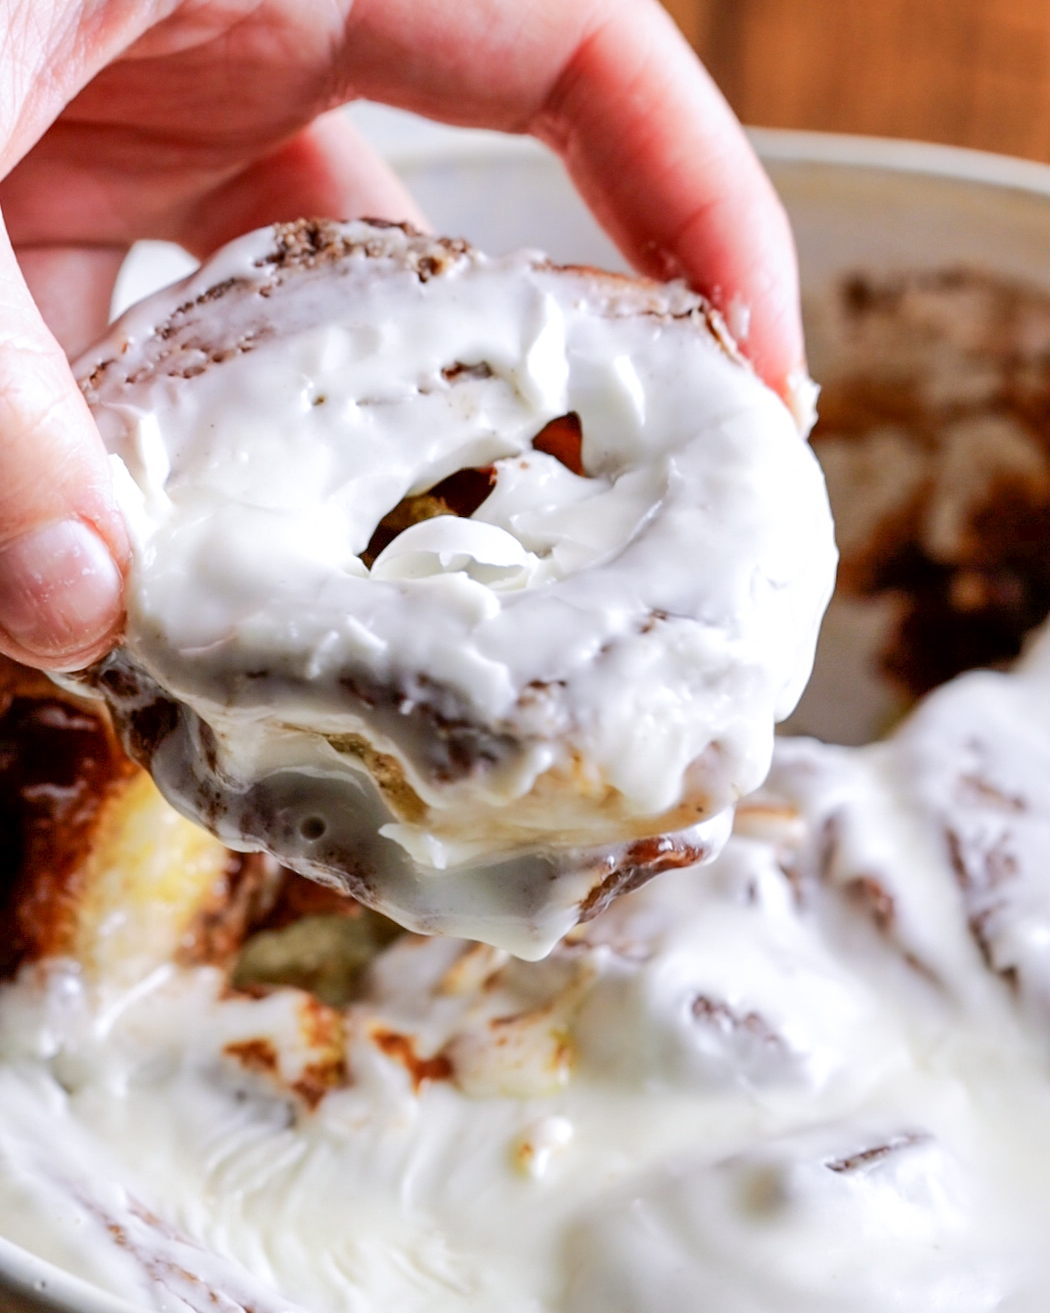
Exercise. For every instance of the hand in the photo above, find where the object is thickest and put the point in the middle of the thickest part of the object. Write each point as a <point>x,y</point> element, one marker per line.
<point>195,120</point>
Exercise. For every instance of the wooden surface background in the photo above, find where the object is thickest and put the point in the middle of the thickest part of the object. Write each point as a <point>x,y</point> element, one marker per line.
<point>969,72</point>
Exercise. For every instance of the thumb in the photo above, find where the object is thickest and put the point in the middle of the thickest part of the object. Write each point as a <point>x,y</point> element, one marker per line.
<point>63,544</point>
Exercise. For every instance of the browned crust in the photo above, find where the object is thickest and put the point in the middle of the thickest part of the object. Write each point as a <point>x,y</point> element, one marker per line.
<point>60,762</point>
<point>460,494</point>
<point>637,865</point>
<point>322,1028</point>
<point>312,243</point>
<point>60,765</point>
<point>562,438</point>
<point>256,1055</point>
<point>240,902</point>
<point>402,1049</point>
<point>197,334</point>
<point>318,1079</point>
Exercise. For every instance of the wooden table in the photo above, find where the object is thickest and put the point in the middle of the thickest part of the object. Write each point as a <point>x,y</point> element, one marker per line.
<point>969,72</point>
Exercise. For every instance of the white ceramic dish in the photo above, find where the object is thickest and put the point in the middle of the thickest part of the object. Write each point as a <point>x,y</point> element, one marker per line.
<point>879,205</point>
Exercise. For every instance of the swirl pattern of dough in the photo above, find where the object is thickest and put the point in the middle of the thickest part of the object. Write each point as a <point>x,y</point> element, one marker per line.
<point>475,585</point>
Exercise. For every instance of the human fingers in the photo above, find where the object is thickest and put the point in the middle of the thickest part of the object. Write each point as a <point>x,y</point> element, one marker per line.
<point>63,543</point>
<point>646,135</point>
<point>326,169</point>
<point>73,288</point>
<point>678,185</point>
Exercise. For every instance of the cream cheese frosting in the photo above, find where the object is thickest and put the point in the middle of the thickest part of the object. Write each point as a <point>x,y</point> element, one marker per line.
<point>809,1076</point>
<point>472,729</point>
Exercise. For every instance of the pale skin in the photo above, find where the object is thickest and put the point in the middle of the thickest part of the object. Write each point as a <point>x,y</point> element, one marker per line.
<point>198,120</point>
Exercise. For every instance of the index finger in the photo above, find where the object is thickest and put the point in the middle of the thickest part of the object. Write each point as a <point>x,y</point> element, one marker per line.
<point>647,137</point>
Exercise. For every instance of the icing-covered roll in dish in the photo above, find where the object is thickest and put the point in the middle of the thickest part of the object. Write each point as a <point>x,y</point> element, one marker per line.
<point>474,586</point>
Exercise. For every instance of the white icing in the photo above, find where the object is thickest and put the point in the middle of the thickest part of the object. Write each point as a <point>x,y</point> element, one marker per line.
<point>483,552</point>
<point>631,635</point>
<point>810,1078</point>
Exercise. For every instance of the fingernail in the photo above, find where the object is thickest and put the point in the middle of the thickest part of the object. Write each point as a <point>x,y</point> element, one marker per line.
<point>59,590</point>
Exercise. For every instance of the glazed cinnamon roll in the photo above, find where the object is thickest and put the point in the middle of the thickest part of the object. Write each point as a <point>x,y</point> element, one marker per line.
<point>472,586</point>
